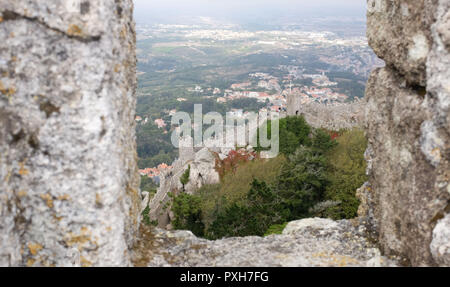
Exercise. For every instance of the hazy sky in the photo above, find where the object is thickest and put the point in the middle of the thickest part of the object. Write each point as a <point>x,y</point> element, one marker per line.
<point>246,10</point>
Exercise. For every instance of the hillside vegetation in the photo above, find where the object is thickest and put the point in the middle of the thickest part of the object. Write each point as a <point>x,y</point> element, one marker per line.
<point>314,175</point>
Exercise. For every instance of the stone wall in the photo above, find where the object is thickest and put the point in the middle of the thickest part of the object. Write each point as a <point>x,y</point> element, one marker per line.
<point>311,242</point>
<point>68,178</point>
<point>334,117</point>
<point>408,126</point>
<point>202,172</point>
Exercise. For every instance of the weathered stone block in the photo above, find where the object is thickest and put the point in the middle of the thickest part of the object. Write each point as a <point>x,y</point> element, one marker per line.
<point>399,33</point>
<point>68,180</point>
<point>407,122</point>
<point>405,199</point>
<point>304,243</point>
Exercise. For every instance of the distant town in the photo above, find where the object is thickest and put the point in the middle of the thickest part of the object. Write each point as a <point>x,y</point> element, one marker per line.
<point>232,70</point>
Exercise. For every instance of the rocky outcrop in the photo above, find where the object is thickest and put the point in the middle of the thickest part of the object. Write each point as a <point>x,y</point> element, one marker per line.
<point>308,242</point>
<point>68,177</point>
<point>202,171</point>
<point>399,32</point>
<point>408,127</point>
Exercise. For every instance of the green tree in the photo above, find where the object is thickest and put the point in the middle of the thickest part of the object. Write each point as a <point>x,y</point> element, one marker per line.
<point>262,209</point>
<point>318,178</point>
<point>346,173</point>
<point>294,131</point>
<point>302,181</point>
<point>267,203</point>
<point>147,184</point>
<point>235,220</point>
<point>235,186</point>
<point>146,216</point>
<point>322,141</point>
<point>184,179</point>
<point>188,214</point>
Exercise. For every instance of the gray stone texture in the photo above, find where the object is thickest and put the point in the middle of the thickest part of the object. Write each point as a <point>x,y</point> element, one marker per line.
<point>333,117</point>
<point>399,33</point>
<point>202,172</point>
<point>304,243</point>
<point>68,178</point>
<point>407,123</point>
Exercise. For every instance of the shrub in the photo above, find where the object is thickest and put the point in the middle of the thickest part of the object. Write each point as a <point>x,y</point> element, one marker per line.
<point>299,187</point>
<point>322,141</point>
<point>235,220</point>
<point>346,173</point>
<point>294,131</point>
<point>276,229</point>
<point>146,216</point>
<point>147,184</point>
<point>302,181</point>
<point>184,179</point>
<point>186,209</point>
<point>253,217</point>
<point>320,209</point>
<point>233,161</point>
<point>235,186</point>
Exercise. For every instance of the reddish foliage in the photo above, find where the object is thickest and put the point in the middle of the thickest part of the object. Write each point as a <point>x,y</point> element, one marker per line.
<point>334,135</point>
<point>233,160</point>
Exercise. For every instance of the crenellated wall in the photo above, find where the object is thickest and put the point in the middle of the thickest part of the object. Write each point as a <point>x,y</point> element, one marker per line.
<point>68,178</point>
